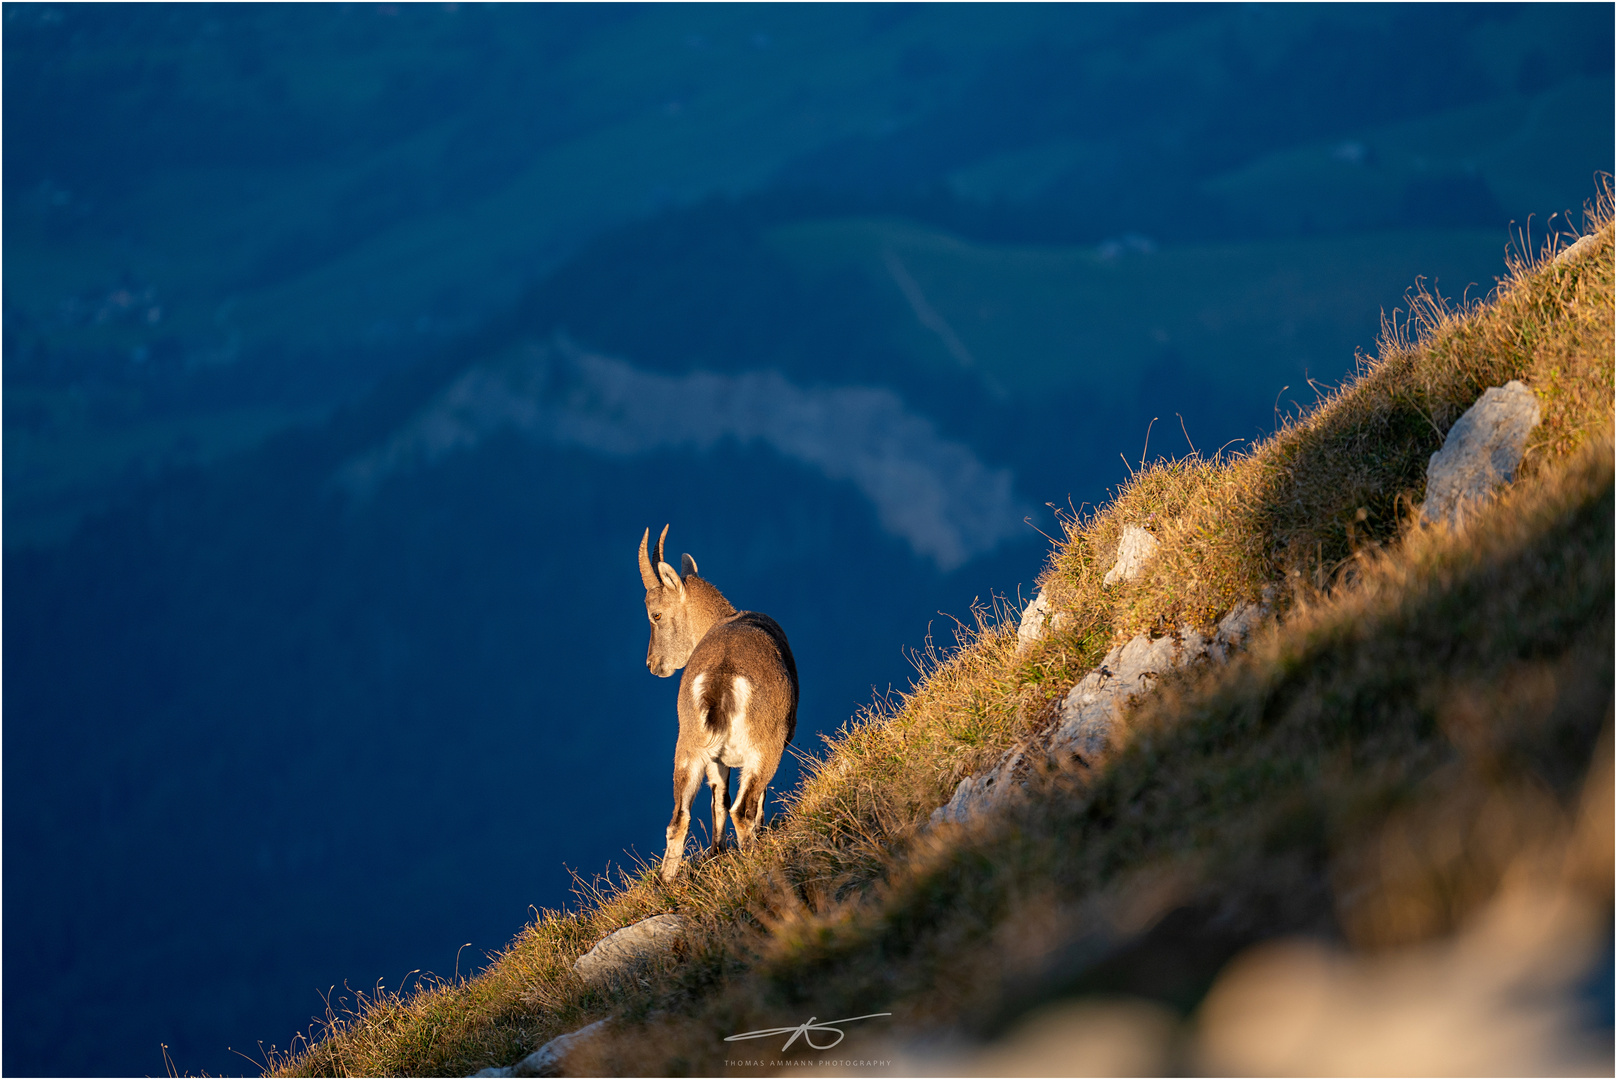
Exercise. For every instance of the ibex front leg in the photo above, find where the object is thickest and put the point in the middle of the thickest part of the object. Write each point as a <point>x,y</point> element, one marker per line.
<point>687,778</point>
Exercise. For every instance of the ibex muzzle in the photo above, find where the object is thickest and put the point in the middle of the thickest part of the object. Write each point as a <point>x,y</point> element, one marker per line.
<point>737,699</point>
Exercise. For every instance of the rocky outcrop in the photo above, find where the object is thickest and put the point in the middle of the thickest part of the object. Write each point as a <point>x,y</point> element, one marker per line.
<point>549,1059</point>
<point>1480,454</point>
<point>1090,711</point>
<point>1134,550</point>
<point>625,951</point>
<point>1088,716</point>
<point>1039,618</point>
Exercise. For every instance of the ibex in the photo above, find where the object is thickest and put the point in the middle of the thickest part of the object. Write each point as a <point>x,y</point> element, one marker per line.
<point>737,699</point>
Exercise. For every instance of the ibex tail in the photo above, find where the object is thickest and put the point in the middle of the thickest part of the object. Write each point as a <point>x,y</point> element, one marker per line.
<point>722,697</point>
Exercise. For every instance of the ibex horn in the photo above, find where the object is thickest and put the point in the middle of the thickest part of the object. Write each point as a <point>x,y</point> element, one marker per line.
<point>658,561</point>
<point>648,573</point>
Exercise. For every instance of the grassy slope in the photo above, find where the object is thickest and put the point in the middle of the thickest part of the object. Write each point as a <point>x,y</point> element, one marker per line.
<point>1422,678</point>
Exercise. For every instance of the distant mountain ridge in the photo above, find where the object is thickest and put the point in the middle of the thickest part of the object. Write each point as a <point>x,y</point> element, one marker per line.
<point>307,200</point>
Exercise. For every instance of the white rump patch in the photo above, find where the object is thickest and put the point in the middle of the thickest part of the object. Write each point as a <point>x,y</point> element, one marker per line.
<point>743,692</point>
<point>696,696</point>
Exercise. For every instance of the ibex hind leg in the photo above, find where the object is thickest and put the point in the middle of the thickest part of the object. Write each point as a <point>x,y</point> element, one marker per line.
<point>687,778</point>
<point>748,810</point>
<point>718,781</point>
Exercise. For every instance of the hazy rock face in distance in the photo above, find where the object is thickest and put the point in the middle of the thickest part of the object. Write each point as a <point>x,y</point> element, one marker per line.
<point>1480,453</point>
<point>1134,550</point>
<point>933,492</point>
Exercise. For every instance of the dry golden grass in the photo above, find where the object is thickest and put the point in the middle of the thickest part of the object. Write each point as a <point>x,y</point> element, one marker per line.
<point>1321,781</point>
<point>1372,769</point>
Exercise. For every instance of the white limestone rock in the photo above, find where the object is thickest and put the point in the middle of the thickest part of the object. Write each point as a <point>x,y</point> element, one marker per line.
<point>625,951</point>
<point>549,1059</point>
<point>1089,713</point>
<point>1134,550</point>
<point>1091,708</point>
<point>1480,453</point>
<point>975,794</point>
<point>1237,625</point>
<point>1582,247</point>
<point>1037,620</point>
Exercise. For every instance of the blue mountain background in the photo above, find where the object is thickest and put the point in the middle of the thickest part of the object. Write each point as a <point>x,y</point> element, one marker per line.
<point>348,351</point>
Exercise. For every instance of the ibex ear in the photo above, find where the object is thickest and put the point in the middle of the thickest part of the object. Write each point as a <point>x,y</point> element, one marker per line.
<point>670,578</point>
<point>687,566</point>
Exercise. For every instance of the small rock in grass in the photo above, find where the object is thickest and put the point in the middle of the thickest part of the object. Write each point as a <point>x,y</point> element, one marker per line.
<point>1134,550</point>
<point>1037,620</point>
<point>549,1058</point>
<point>1237,625</point>
<point>625,950</point>
<point>981,792</point>
<point>1480,453</point>
<point>1583,246</point>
